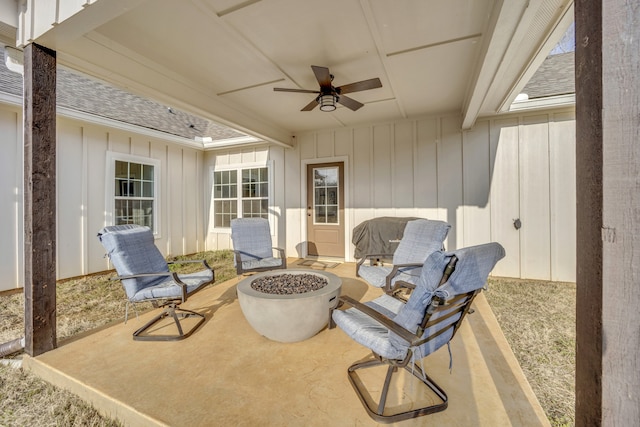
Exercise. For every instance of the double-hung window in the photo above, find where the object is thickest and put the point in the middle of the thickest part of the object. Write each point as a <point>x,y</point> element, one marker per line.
<point>134,195</point>
<point>240,193</point>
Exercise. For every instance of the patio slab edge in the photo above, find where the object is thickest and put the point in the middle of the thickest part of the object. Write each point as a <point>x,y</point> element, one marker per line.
<point>104,404</point>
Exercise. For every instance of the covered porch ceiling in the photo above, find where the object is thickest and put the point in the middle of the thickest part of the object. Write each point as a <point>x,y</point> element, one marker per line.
<point>221,59</point>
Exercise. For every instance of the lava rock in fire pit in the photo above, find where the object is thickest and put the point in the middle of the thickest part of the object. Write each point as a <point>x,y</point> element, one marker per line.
<point>287,284</point>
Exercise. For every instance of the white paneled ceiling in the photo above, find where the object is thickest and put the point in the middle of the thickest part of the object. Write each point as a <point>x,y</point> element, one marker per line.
<point>222,58</point>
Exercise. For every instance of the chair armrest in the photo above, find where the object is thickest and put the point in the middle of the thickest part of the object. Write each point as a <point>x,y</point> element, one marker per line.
<point>378,317</point>
<point>401,284</point>
<point>394,271</point>
<point>282,256</point>
<point>204,263</point>
<point>133,276</point>
<point>238,254</point>
<point>398,287</point>
<point>173,275</point>
<point>238,259</point>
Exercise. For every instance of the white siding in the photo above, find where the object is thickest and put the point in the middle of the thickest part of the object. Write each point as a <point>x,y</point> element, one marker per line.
<point>480,181</point>
<point>80,185</point>
<point>11,213</point>
<point>535,233</point>
<point>70,200</point>
<point>476,175</point>
<point>505,193</point>
<point>256,155</point>
<point>449,166</point>
<point>562,162</point>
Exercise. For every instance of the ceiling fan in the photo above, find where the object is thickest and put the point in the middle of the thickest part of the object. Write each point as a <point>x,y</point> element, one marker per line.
<point>328,94</point>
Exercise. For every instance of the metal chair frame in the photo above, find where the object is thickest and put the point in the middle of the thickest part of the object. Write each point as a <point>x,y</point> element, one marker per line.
<point>460,304</point>
<point>170,306</point>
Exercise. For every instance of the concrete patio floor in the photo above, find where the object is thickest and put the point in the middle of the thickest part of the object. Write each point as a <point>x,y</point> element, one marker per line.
<point>227,374</point>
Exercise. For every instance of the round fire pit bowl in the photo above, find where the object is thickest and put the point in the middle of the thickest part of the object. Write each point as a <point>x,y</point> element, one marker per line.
<point>288,317</point>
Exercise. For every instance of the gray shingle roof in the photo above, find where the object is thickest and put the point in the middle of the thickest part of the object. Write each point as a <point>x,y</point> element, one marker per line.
<point>556,76</point>
<point>81,93</point>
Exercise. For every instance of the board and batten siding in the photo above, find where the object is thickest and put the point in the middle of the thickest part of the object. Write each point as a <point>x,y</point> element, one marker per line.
<point>519,166</point>
<point>480,181</point>
<point>81,182</point>
<point>253,156</point>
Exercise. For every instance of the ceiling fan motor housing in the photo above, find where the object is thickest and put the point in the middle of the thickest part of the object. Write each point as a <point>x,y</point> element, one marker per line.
<point>328,95</point>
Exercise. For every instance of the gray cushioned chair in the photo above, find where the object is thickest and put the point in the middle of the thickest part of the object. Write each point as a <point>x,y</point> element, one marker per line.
<point>145,276</point>
<point>421,238</point>
<point>252,247</point>
<point>402,334</point>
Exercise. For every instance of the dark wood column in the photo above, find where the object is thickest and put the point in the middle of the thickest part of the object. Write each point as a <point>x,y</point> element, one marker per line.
<point>40,199</point>
<point>608,212</point>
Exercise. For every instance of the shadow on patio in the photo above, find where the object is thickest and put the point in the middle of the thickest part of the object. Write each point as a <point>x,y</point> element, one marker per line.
<point>227,374</point>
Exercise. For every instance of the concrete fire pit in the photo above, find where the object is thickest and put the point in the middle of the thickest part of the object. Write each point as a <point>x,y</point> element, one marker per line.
<point>288,317</point>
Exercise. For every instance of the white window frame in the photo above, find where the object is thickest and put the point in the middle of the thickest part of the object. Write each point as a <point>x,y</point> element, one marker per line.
<point>110,197</point>
<point>238,169</point>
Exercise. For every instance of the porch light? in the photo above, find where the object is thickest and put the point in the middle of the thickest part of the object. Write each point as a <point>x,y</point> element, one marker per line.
<point>327,102</point>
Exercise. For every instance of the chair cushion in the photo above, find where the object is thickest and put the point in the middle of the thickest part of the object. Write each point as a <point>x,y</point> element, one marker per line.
<point>261,263</point>
<point>472,269</point>
<point>410,315</point>
<point>168,288</point>
<point>132,250</point>
<point>368,332</point>
<point>421,238</point>
<point>471,273</point>
<point>376,275</point>
<point>252,238</point>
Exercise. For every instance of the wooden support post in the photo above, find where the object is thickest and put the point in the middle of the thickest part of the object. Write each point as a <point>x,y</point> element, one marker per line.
<point>40,199</point>
<point>608,212</point>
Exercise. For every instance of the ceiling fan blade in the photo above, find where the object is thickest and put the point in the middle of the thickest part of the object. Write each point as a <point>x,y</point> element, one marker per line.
<point>358,86</point>
<point>282,89</point>
<point>323,76</point>
<point>310,106</point>
<point>352,104</point>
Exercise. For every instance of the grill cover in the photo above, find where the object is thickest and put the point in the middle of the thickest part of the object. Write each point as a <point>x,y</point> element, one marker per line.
<point>379,235</point>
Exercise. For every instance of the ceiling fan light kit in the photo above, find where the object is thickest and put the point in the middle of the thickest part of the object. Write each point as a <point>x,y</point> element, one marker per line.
<point>329,95</point>
<point>327,102</point>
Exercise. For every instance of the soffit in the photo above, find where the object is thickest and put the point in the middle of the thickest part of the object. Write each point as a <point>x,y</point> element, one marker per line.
<point>222,59</point>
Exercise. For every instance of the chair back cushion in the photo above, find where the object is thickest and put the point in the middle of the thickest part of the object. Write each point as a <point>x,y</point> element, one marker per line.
<point>421,238</point>
<point>251,237</point>
<point>471,273</point>
<point>132,250</point>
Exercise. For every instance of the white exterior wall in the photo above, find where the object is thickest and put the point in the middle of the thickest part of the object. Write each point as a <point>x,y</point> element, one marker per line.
<point>253,156</point>
<point>11,206</point>
<point>81,181</point>
<point>480,181</point>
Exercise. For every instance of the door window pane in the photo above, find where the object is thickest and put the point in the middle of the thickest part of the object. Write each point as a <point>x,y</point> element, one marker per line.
<point>326,195</point>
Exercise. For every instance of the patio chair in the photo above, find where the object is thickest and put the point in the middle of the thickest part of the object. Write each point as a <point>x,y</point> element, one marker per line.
<point>421,238</point>
<point>252,247</point>
<point>145,276</point>
<point>401,335</point>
